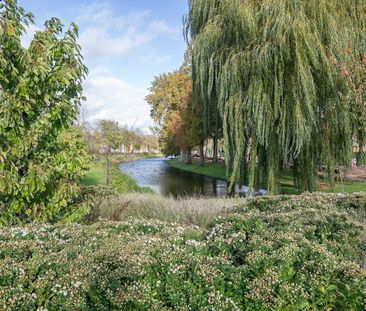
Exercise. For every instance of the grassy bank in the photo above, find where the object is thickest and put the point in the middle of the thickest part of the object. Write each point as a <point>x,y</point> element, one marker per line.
<point>120,158</point>
<point>96,174</point>
<point>216,170</point>
<point>269,253</point>
<point>346,187</point>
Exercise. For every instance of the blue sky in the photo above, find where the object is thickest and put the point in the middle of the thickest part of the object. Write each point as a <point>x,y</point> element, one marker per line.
<point>125,43</point>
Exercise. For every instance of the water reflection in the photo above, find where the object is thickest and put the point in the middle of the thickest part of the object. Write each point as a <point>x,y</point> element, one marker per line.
<point>166,180</point>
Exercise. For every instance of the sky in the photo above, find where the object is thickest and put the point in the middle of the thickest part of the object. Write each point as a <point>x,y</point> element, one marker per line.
<point>125,44</point>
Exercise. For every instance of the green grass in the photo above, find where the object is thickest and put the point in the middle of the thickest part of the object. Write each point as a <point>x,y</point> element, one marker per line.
<point>218,171</point>
<point>214,170</point>
<point>119,181</point>
<point>348,188</point>
<point>95,176</point>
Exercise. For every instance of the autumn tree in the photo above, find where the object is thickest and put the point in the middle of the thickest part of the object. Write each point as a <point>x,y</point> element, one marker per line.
<point>173,109</point>
<point>185,129</point>
<point>41,161</point>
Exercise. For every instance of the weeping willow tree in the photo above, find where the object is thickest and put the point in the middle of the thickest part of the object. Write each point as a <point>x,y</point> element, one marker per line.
<point>268,68</point>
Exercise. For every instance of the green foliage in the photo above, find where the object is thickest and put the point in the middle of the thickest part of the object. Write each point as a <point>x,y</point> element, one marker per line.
<point>362,158</point>
<point>40,91</point>
<point>269,68</point>
<point>354,73</point>
<point>109,135</point>
<point>285,255</point>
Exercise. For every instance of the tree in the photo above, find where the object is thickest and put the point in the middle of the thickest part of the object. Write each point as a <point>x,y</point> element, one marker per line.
<point>266,67</point>
<point>40,92</point>
<point>174,112</point>
<point>151,143</point>
<point>109,136</point>
<point>354,72</point>
<point>185,129</point>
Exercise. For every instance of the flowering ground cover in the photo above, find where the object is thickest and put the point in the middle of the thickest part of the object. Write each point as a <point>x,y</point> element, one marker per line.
<point>286,253</point>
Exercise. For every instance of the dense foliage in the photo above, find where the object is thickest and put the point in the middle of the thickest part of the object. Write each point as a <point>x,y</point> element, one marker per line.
<point>174,111</point>
<point>40,92</point>
<point>269,68</point>
<point>288,252</point>
<point>354,72</point>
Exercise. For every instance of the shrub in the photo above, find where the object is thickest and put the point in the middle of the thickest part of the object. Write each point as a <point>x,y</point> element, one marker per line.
<point>289,256</point>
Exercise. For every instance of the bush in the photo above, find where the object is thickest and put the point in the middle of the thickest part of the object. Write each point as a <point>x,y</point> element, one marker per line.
<point>294,253</point>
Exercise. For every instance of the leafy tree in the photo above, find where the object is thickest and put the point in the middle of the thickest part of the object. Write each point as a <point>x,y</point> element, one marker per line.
<point>174,111</point>
<point>267,68</point>
<point>110,136</point>
<point>150,141</point>
<point>40,92</point>
<point>137,138</point>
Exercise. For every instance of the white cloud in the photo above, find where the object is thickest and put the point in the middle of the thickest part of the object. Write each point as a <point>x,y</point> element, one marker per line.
<point>28,36</point>
<point>107,34</point>
<point>111,98</point>
<point>150,57</point>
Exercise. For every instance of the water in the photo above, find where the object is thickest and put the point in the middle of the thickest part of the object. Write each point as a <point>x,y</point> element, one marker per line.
<point>158,175</point>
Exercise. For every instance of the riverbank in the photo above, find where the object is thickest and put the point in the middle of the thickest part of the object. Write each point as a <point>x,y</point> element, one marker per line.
<point>122,183</point>
<point>96,174</point>
<point>218,171</point>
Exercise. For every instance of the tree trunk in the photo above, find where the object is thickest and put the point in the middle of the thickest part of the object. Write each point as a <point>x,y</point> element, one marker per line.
<point>360,149</point>
<point>183,156</point>
<point>108,169</point>
<point>202,154</point>
<point>215,148</point>
<point>189,156</point>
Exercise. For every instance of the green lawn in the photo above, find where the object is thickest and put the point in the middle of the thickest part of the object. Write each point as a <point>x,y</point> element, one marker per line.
<point>216,170</point>
<point>95,176</point>
<point>349,187</point>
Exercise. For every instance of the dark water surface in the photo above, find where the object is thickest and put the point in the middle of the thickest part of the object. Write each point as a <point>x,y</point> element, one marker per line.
<point>166,180</point>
